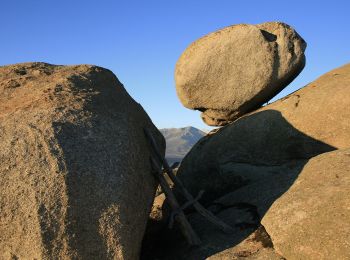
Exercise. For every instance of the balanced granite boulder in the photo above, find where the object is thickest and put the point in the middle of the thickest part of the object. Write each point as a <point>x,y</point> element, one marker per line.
<point>75,177</point>
<point>233,71</point>
<point>265,143</point>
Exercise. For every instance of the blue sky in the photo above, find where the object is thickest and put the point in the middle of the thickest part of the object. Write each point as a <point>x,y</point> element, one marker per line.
<point>140,41</point>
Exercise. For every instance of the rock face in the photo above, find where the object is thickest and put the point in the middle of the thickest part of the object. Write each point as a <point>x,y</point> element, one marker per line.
<point>311,219</point>
<point>75,177</point>
<point>280,172</point>
<point>304,209</point>
<point>235,70</point>
<point>309,122</point>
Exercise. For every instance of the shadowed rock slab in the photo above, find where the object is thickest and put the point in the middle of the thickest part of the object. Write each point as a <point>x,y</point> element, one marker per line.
<point>311,220</point>
<point>310,121</point>
<point>75,180</point>
<point>233,71</point>
<point>248,241</point>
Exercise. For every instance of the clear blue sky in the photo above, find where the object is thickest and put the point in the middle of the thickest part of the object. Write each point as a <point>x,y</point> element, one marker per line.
<point>140,41</point>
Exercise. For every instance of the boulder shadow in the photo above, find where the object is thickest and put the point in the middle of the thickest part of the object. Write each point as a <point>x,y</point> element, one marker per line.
<point>261,156</point>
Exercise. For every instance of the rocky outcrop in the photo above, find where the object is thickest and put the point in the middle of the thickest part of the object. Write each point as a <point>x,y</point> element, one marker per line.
<point>75,179</point>
<point>266,143</point>
<point>311,219</point>
<point>284,171</point>
<point>304,208</point>
<point>233,71</point>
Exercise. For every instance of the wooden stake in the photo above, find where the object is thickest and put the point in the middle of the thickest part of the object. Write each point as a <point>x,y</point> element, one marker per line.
<point>186,228</point>
<point>200,209</point>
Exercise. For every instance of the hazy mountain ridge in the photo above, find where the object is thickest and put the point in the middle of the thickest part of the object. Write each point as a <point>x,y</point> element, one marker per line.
<point>179,141</point>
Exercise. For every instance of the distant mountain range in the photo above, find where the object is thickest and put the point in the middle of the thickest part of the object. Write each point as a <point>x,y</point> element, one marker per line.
<point>179,141</point>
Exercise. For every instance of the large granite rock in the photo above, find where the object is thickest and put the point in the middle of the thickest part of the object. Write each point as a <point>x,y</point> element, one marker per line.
<point>308,122</point>
<point>75,179</point>
<point>311,219</point>
<point>235,70</point>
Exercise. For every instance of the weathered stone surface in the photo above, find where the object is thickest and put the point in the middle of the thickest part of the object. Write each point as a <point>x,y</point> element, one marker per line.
<point>235,70</point>
<point>248,241</point>
<point>236,253</point>
<point>311,219</point>
<point>75,179</point>
<point>311,121</point>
